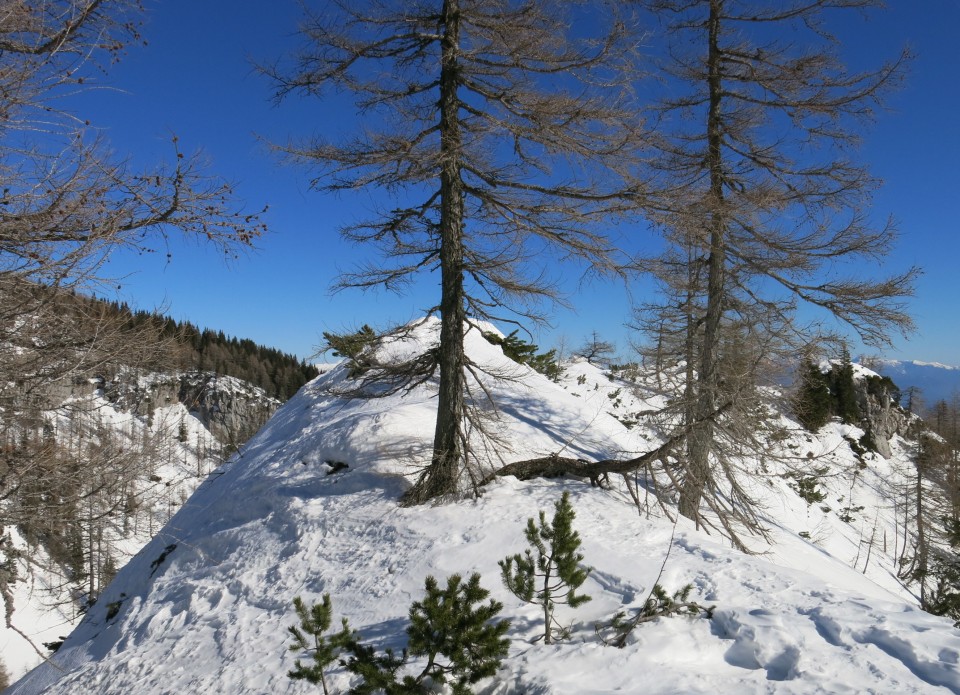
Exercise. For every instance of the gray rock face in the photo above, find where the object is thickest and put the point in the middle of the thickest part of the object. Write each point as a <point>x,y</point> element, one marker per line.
<point>881,416</point>
<point>233,410</point>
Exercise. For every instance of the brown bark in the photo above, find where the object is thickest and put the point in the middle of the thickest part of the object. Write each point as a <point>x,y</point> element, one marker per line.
<point>701,435</point>
<point>554,466</point>
<point>442,477</point>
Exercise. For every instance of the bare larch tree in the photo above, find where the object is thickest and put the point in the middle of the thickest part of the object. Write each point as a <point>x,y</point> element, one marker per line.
<point>499,138</point>
<point>760,205</point>
<point>66,203</point>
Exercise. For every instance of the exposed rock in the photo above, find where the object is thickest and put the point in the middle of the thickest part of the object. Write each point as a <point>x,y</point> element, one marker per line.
<point>233,410</point>
<point>881,416</point>
<point>230,408</point>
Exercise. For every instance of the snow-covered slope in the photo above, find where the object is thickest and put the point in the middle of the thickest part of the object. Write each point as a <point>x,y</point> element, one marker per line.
<point>205,606</point>
<point>164,434</point>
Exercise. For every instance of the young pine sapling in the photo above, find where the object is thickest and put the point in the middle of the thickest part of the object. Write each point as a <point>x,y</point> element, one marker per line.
<point>451,627</point>
<point>549,573</point>
<point>309,637</point>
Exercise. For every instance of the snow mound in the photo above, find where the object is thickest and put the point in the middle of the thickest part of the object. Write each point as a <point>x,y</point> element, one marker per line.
<point>205,606</point>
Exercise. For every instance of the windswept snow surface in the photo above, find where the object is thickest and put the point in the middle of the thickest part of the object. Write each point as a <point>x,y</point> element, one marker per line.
<point>205,606</point>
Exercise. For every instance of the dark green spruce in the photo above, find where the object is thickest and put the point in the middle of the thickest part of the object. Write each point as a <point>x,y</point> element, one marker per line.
<point>452,627</point>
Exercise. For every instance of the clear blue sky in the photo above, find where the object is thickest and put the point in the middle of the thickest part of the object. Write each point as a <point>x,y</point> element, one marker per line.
<point>195,79</point>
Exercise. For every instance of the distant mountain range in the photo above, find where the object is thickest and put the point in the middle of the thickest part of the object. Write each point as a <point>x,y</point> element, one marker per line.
<point>936,381</point>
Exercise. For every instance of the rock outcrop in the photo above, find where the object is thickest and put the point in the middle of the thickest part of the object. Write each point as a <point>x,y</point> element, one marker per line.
<point>880,412</point>
<point>233,410</point>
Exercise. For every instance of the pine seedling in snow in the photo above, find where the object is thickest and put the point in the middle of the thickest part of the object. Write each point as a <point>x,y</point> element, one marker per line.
<point>309,637</point>
<point>451,623</point>
<point>659,604</point>
<point>454,623</point>
<point>377,672</point>
<point>549,573</point>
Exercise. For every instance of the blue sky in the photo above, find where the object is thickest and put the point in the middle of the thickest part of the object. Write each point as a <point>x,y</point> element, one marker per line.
<point>195,79</point>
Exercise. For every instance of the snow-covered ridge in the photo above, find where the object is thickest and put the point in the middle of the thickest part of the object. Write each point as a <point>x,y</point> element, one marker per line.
<point>893,364</point>
<point>205,606</point>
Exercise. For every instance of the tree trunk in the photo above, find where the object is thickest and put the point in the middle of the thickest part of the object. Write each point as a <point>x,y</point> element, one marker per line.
<point>449,447</point>
<point>547,608</point>
<point>702,429</point>
<point>921,567</point>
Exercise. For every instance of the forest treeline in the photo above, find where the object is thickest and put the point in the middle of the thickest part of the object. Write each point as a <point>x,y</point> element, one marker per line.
<point>278,373</point>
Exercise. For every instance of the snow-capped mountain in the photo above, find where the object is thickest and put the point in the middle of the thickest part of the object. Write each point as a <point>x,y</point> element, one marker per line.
<point>311,507</point>
<point>936,381</point>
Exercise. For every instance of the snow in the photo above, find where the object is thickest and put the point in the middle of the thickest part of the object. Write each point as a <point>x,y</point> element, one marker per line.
<point>169,470</point>
<point>204,607</point>
<point>916,363</point>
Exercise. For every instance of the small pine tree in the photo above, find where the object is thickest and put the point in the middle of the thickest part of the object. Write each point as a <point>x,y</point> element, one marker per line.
<point>659,604</point>
<point>377,672</point>
<point>523,352</point>
<point>452,622</point>
<point>349,344</point>
<point>546,363</point>
<point>309,637</point>
<point>352,346</point>
<point>514,347</point>
<point>555,574</point>
<point>844,389</point>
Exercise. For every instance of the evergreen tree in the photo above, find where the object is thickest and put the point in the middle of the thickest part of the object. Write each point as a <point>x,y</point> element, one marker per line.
<point>844,389</point>
<point>350,344</point>
<point>377,672</point>
<point>546,363</point>
<point>522,352</point>
<point>514,347</point>
<point>552,576</point>
<point>659,604</point>
<point>309,637</point>
<point>813,403</point>
<point>454,623</point>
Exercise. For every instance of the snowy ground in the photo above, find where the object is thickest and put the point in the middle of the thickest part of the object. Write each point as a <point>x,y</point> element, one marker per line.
<point>205,606</point>
<point>45,609</point>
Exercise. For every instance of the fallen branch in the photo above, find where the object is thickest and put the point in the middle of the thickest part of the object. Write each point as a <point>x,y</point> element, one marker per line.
<point>555,466</point>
